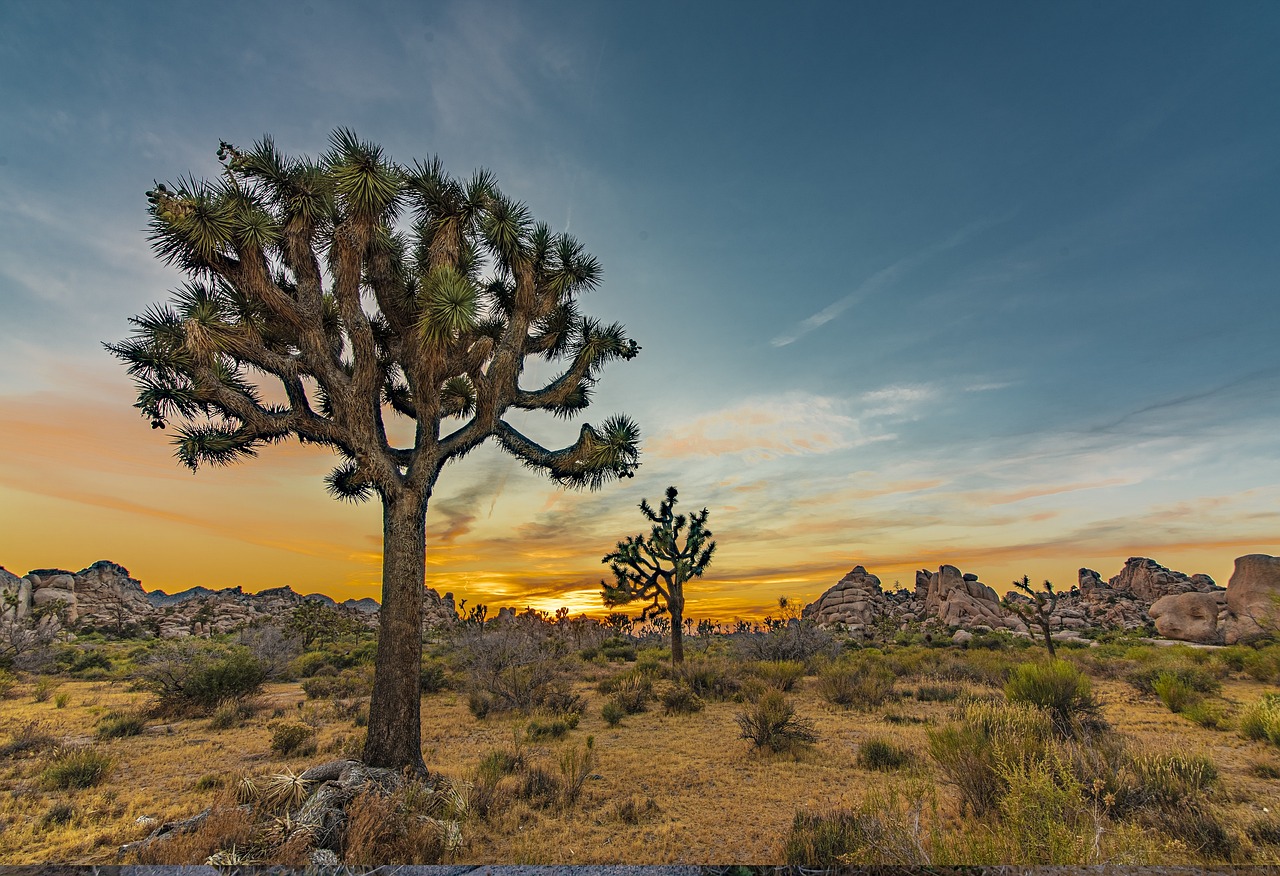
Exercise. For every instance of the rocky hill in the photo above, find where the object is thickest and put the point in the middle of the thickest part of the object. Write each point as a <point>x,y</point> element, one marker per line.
<point>1184,607</point>
<point>105,596</point>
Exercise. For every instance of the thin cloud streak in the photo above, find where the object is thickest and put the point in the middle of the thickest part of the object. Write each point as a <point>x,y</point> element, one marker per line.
<point>883,278</point>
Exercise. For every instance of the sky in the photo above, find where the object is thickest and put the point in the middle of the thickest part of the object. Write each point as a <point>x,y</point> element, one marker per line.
<point>987,284</point>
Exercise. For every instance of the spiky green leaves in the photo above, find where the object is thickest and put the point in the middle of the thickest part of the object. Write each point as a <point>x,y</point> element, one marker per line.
<point>448,306</point>
<point>457,397</point>
<point>212,445</point>
<point>347,484</point>
<point>367,186</point>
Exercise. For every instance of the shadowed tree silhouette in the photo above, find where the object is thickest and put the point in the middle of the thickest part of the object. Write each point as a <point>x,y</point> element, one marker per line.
<point>656,568</point>
<point>302,274</point>
<point>1037,611</point>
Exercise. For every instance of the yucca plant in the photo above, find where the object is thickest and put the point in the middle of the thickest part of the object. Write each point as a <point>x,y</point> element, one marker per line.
<point>360,285</point>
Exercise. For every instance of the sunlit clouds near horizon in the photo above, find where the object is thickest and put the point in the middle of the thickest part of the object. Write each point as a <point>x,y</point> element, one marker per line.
<point>991,286</point>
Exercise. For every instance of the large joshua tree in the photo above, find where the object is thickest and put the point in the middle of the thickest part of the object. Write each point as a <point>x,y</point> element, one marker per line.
<point>656,567</point>
<point>303,274</point>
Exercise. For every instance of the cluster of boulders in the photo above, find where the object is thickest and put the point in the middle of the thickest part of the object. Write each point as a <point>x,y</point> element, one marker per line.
<point>1143,595</point>
<point>104,596</point>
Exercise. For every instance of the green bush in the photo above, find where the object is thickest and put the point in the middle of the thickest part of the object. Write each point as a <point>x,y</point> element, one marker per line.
<point>552,728</point>
<point>771,723</point>
<point>434,676</point>
<point>937,693</point>
<point>680,700</point>
<point>1062,690</point>
<point>872,834</point>
<point>231,713</point>
<point>971,751</point>
<point>1207,715</point>
<point>194,677</point>
<point>288,740</point>
<point>632,690</point>
<point>115,725</point>
<point>76,768</point>
<point>1197,677</point>
<point>780,674</point>
<point>1174,691</point>
<point>1261,719</point>
<point>710,678</point>
<point>856,685</point>
<point>612,712</point>
<point>351,683</point>
<point>480,704</point>
<point>309,664</point>
<point>877,753</point>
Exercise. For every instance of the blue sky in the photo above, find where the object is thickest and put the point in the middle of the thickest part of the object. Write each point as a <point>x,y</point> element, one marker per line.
<point>991,284</point>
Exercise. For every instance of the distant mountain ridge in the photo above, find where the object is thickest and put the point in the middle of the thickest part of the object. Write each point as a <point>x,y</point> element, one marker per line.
<point>104,595</point>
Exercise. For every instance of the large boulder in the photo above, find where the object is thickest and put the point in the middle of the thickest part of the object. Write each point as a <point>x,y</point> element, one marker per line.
<point>1147,580</point>
<point>1253,598</point>
<point>955,599</point>
<point>1190,617</point>
<point>856,602</point>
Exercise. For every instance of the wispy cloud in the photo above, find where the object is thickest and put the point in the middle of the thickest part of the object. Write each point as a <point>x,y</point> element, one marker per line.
<point>882,279</point>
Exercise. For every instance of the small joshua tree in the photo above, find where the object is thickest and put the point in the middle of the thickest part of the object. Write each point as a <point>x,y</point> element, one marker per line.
<point>1037,612</point>
<point>656,567</point>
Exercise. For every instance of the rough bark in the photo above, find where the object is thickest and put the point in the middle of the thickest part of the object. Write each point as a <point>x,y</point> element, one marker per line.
<point>395,718</point>
<point>676,605</point>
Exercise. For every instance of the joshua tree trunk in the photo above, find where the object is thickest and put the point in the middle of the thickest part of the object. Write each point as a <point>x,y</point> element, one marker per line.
<point>395,721</point>
<point>676,605</point>
<point>1048,636</point>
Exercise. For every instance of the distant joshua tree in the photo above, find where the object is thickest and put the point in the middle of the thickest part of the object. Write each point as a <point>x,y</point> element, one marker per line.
<point>302,273</point>
<point>1036,612</point>
<point>656,567</point>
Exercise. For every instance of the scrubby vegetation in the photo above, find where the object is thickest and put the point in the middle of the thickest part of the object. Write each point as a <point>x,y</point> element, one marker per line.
<point>554,740</point>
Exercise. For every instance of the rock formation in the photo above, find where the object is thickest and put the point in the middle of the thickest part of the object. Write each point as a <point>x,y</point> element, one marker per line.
<point>104,596</point>
<point>1190,617</point>
<point>954,599</point>
<point>1253,598</point>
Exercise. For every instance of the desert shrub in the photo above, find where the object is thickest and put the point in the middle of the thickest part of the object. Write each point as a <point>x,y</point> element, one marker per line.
<point>60,700</point>
<point>310,663</point>
<point>1197,677</point>
<point>210,781</point>
<point>435,677</point>
<point>710,678</point>
<point>937,693</point>
<point>480,704</point>
<point>780,674</point>
<point>1174,692</point>
<point>76,768</point>
<point>612,712</point>
<point>90,662</point>
<point>225,827</point>
<point>882,830</point>
<point>1261,719</point>
<point>1262,664</point>
<point>33,736</point>
<point>231,713</point>
<point>193,678</point>
<point>1173,781</point>
<point>539,788</point>
<point>351,683</point>
<point>515,663</point>
<point>635,809</point>
<point>288,740</point>
<point>1264,770</point>
<point>115,725</point>
<point>1207,715</point>
<point>878,753</point>
<point>58,814</point>
<point>394,829</point>
<point>798,639</point>
<point>576,765</point>
<point>972,750</point>
<point>680,700</point>
<point>1043,812</point>
<point>44,689</point>
<point>552,728</point>
<point>1062,690</point>
<point>771,722</point>
<point>617,649</point>
<point>632,690</point>
<point>560,699</point>
<point>856,684</point>
<point>486,794</point>
<point>1264,830</point>
<point>988,668</point>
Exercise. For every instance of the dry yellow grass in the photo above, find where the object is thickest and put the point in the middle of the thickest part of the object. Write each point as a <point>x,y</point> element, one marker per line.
<point>713,799</point>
